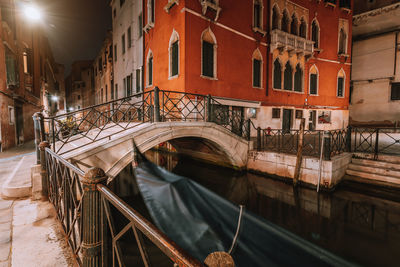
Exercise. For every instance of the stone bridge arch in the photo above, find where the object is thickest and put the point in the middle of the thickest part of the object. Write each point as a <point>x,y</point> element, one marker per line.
<point>114,155</point>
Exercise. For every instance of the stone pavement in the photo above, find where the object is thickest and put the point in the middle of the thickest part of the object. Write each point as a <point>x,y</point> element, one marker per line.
<point>30,235</point>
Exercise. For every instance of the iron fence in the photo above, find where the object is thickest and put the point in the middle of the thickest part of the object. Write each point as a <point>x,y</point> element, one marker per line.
<point>83,204</point>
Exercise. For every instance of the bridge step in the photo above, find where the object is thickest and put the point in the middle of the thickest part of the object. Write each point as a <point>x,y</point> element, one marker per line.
<point>376,164</point>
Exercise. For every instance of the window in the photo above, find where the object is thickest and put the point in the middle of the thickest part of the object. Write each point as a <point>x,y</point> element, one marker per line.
<point>276,113</point>
<point>150,11</point>
<point>102,95</point>
<point>277,74</point>
<point>79,97</point>
<point>174,54</point>
<point>285,22</point>
<point>123,43</point>
<point>298,79</point>
<point>138,87</point>
<point>313,80</point>
<point>294,25</point>
<point>150,68</point>
<point>106,93</point>
<point>128,85</point>
<point>299,114</point>
<point>257,68</point>
<point>116,91</point>
<point>129,37</point>
<point>315,33</point>
<point>342,41</point>
<point>395,91</point>
<point>140,25</point>
<point>324,117</point>
<point>257,14</point>
<point>28,60</point>
<point>346,3</point>
<point>11,68</point>
<point>288,77</point>
<point>112,90</point>
<point>275,18</point>
<point>115,53</point>
<point>208,57</point>
<point>340,83</point>
<point>114,13</point>
<point>121,2</point>
<point>11,115</point>
<point>303,28</point>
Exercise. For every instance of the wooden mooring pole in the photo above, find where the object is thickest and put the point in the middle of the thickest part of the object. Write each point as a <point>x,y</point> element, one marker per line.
<point>299,157</point>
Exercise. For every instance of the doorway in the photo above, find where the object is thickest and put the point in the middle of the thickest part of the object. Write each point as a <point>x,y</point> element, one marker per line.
<point>312,120</point>
<point>19,124</point>
<point>287,120</point>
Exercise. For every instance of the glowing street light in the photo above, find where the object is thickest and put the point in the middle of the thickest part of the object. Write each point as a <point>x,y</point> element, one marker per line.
<point>54,98</point>
<point>32,12</point>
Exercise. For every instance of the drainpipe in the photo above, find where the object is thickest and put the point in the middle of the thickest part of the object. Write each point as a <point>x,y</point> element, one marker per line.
<point>268,41</point>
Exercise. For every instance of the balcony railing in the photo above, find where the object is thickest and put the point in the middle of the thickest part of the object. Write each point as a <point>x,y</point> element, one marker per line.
<point>291,42</point>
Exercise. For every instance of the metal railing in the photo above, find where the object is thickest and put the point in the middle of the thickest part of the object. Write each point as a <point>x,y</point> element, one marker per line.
<point>86,208</point>
<point>288,141</point>
<point>101,122</point>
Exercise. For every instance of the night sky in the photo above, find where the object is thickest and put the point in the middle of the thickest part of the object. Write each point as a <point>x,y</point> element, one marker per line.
<point>75,28</point>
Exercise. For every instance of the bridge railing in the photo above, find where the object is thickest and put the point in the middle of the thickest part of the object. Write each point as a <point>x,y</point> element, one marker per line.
<point>87,209</point>
<point>102,121</point>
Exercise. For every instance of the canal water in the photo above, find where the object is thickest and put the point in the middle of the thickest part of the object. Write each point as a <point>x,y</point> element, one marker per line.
<point>357,222</point>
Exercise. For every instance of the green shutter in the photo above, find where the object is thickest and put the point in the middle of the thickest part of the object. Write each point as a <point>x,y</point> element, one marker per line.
<point>174,59</point>
<point>256,73</point>
<point>208,59</point>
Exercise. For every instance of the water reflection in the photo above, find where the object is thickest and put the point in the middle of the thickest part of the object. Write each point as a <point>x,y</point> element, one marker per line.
<point>358,223</point>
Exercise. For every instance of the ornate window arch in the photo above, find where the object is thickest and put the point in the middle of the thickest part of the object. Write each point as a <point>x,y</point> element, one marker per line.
<point>277,77</point>
<point>303,28</point>
<point>294,25</point>
<point>173,51</point>
<point>341,83</point>
<point>315,33</point>
<point>208,54</point>
<point>150,68</point>
<point>313,80</point>
<point>298,78</point>
<point>285,22</point>
<point>288,77</point>
<point>275,17</point>
<point>257,61</point>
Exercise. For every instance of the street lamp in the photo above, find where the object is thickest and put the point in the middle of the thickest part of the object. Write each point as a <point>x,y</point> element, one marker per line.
<point>54,98</point>
<point>32,12</point>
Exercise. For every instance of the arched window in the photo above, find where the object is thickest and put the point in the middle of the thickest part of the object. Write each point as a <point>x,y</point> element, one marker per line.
<point>315,33</point>
<point>285,22</point>
<point>303,28</point>
<point>257,69</point>
<point>298,79</point>
<point>151,11</point>
<point>275,18</point>
<point>208,54</point>
<point>294,25</point>
<point>313,80</point>
<point>288,77</point>
<point>342,41</point>
<point>173,54</point>
<point>277,74</point>
<point>150,68</point>
<point>341,83</point>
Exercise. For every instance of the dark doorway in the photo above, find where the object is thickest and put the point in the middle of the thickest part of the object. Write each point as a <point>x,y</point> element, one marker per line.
<point>312,120</point>
<point>19,125</point>
<point>287,120</point>
<point>237,120</point>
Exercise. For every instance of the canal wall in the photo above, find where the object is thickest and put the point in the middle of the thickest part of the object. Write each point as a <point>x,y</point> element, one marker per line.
<point>283,165</point>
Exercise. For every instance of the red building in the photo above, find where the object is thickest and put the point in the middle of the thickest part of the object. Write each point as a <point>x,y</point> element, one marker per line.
<point>287,59</point>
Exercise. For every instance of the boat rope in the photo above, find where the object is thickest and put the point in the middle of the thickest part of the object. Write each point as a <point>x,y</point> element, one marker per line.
<point>237,229</point>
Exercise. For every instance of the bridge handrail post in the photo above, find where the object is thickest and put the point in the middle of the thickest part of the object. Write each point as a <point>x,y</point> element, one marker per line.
<point>92,242</point>
<point>327,145</point>
<point>209,108</point>
<point>258,138</point>
<point>248,129</point>
<point>348,139</point>
<point>156,104</point>
<point>36,127</point>
<point>43,169</point>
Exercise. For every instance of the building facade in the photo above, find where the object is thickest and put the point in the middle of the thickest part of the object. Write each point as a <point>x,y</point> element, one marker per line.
<point>375,99</point>
<point>103,72</point>
<point>79,85</point>
<point>287,59</point>
<point>127,47</point>
<point>29,76</point>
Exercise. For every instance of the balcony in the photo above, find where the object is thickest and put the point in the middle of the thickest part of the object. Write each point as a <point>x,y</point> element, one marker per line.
<point>291,43</point>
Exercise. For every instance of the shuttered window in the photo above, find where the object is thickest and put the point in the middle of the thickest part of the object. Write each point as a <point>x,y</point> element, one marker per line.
<point>138,89</point>
<point>208,59</point>
<point>395,93</point>
<point>256,73</point>
<point>298,79</point>
<point>313,84</point>
<point>174,58</point>
<point>340,86</point>
<point>288,77</point>
<point>257,15</point>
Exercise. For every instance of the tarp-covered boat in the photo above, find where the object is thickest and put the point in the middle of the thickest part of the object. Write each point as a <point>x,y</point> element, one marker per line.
<point>202,222</point>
